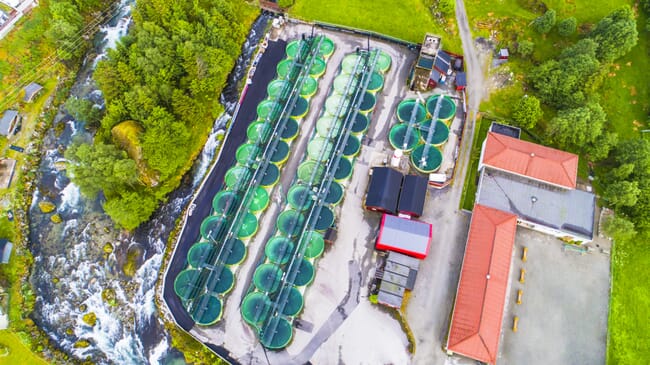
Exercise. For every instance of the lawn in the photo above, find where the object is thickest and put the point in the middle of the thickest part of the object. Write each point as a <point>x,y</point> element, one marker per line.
<point>469,189</point>
<point>629,327</point>
<point>408,19</point>
<point>18,352</point>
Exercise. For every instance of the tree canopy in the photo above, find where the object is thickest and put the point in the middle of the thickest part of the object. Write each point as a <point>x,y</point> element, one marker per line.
<point>527,112</point>
<point>166,75</point>
<point>576,127</point>
<point>545,23</point>
<point>615,34</point>
<point>567,26</point>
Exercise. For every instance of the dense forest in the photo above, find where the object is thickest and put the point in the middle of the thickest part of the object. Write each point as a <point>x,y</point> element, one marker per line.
<point>161,85</point>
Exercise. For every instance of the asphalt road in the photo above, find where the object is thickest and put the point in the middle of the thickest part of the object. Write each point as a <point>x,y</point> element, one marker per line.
<point>264,73</point>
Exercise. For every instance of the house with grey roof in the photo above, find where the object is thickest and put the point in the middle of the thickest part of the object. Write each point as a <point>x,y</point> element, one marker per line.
<point>31,91</point>
<point>9,122</point>
<point>5,250</point>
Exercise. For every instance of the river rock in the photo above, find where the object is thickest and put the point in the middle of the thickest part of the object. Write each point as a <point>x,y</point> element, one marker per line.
<point>56,218</point>
<point>81,344</point>
<point>108,248</point>
<point>46,206</point>
<point>108,295</point>
<point>90,319</point>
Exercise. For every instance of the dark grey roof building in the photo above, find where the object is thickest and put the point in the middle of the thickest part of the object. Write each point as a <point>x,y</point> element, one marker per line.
<point>9,122</point>
<point>31,91</point>
<point>399,275</point>
<point>5,250</point>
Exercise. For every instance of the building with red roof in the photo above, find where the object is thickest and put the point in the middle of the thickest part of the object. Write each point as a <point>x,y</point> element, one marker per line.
<point>537,162</point>
<point>406,236</point>
<point>477,318</point>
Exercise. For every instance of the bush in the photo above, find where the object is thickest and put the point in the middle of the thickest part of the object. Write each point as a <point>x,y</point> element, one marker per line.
<point>544,23</point>
<point>567,27</point>
<point>525,48</point>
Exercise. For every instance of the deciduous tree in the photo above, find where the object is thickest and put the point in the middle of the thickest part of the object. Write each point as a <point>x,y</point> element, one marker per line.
<point>545,23</point>
<point>567,27</point>
<point>527,112</point>
<point>615,34</point>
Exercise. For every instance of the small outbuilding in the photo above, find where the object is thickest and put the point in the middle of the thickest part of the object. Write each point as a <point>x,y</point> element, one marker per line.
<point>406,236</point>
<point>31,91</point>
<point>412,195</point>
<point>7,168</point>
<point>383,190</point>
<point>504,54</point>
<point>461,81</point>
<point>398,275</point>
<point>443,63</point>
<point>9,122</point>
<point>5,250</point>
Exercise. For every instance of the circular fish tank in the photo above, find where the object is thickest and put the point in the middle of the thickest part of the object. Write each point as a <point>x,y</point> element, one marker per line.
<point>428,163</point>
<point>208,311</point>
<point>290,222</point>
<point>309,87</point>
<point>315,244</point>
<point>236,252</point>
<point>325,219</point>
<point>300,109</point>
<point>341,83</point>
<point>376,82</point>
<point>344,170</point>
<point>200,254</point>
<point>276,88</point>
<point>309,168</point>
<point>326,47</point>
<point>283,68</point>
<point>398,140</point>
<point>328,126</point>
<point>293,48</point>
<point>213,228</point>
<point>300,197</point>
<point>349,62</point>
<point>268,110</point>
<point>333,104</point>
<point>237,177</point>
<point>319,149</point>
<point>447,108</point>
<point>249,226</point>
<point>334,194</point>
<point>317,67</point>
<point>276,333</point>
<point>281,153</point>
<point>405,111</point>
<point>260,200</point>
<point>271,176</point>
<point>186,284</point>
<point>225,203</point>
<point>360,124</point>
<point>352,146</point>
<point>439,129</point>
<point>294,303</point>
<point>255,308</point>
<point>247,153</point>
<point>224,282</point>
<point>267,278</point>
<point>368,102</point>
<point>279,250</point>
<point>259,132</point>
<point>305,273</point>
<point>290,130</point>
<point>383,62</point>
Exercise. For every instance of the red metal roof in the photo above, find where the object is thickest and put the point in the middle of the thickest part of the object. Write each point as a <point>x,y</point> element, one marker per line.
<point>531,160</point>
<point>478,310</point>
<point>406,236</point>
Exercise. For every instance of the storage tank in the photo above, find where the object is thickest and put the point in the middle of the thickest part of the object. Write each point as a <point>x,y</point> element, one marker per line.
<point>279,250</point>
<point>398,139</point>
<point>447,107</point>
<point>267,278</point>
<point>431,161</point>
<point>290,222</point>
<point>255,308</point>
<point>405,110</point>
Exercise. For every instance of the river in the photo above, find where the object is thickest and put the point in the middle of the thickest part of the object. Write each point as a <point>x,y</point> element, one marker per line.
<point>72,268</point>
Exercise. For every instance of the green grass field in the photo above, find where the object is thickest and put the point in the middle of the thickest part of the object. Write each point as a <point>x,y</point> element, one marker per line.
<point>469,189</point>
<point>409,20</point>
<point>18,352</point>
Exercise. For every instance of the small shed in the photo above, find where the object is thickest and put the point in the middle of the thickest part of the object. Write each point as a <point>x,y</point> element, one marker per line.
<point>504,54</point>
<point>31,91</point>
<point>461,81</point>
<point>406,236</point>
<point>398,275</point>
<point>412,195</point>
<point>5,250</point>
<point>7,168</point>
<point>383,190</point>
<point>9,122</point>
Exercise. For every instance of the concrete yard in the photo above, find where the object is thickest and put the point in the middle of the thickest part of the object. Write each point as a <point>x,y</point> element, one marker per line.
<point>563,314</point>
